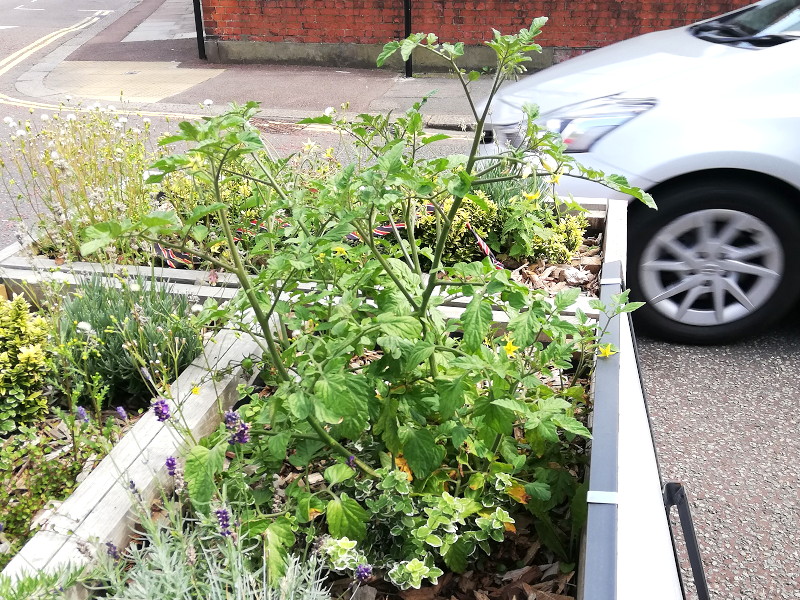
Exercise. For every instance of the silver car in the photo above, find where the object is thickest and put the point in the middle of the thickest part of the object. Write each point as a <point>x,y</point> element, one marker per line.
<point>707,119</point>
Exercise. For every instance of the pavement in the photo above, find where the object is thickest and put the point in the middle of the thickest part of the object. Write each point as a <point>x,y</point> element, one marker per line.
<point>148,57</point>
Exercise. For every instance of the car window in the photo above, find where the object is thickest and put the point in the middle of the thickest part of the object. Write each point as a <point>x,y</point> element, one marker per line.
<point>776,17</point>
<point>759,25</point>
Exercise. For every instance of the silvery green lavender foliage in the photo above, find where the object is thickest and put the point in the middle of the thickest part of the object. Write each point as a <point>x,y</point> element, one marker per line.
<point>187,559</point>
<point>39,585</point>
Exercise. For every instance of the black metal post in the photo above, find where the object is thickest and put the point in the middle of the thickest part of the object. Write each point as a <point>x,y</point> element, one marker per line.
<point>675,495</point>
<point>198,26</point>
<point>407,19</point>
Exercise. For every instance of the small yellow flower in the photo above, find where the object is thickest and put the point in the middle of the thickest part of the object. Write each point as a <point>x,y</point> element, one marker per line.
<point>196,390</point>
<point>556,178</point>
<point>510,348</point>
<point>534,196</point>
<point>606,351</point>
<point>340,251</point>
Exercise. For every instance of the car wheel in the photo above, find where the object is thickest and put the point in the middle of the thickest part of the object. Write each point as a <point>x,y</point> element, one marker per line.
<point>712,263</point>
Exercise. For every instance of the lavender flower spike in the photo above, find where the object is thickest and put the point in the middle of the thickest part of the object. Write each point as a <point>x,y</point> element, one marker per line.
<point>121,413</point>
<point>363,572</point>
<point>172,466</point>
<point>224,520</point>
<point>81,415</point>
<point>112,550</point>
<point>240,431</point>
<point>161,409</point>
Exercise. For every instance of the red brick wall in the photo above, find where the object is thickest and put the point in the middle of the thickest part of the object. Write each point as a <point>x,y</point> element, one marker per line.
<point>574,24</point>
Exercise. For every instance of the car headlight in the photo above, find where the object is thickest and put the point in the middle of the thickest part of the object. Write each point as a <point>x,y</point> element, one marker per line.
<point>583,124</point>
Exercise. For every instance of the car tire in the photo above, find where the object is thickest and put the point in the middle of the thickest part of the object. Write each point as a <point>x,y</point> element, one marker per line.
<point>713,263</point>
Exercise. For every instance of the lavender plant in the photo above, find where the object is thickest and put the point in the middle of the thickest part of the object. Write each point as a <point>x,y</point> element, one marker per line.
<point>432,431</point>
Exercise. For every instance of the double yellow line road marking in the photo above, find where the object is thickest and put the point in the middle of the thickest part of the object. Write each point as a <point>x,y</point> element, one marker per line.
<point>17,57</point>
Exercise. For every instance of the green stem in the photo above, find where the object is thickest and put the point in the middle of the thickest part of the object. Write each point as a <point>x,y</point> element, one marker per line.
<point>328,439</point>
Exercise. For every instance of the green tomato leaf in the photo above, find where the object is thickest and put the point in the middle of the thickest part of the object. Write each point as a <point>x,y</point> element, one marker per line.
<point>538,490</point>
<point>338,473</point>
<point>388,50</point>
<point>400,326</point>
<point>278,540</point>
<point>566,298</point>
<point>456,556</point>
<point>202,465</point>
<point>421,451</point>
<point>346,518</point>
<point>572,425</point>
<point>452,395</point>
<point>476,320</point>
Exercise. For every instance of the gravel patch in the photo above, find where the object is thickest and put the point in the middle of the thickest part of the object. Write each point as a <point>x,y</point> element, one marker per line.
<point>726,424</point>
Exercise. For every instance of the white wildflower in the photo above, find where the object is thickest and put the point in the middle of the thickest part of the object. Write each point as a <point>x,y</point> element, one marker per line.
<point>208,102</point>
<point>84,327</point>
<point>44,117</point>
<point>146,120</point>
<point>135,287</point>
<point>329,111</point>
<point>111,108</point>
<point>20,132</point>
<point>123,120</point>
<point>54,155</point>
<point>71,117</point>
<point>196,308</point>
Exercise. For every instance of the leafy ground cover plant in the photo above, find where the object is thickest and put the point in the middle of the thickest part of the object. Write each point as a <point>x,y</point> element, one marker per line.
<point>40,464</point>
<point>415,439</point>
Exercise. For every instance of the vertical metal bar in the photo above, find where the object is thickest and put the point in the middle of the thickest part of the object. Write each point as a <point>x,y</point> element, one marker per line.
<point>198,26</point>
<point>675,495</point>
<point>407,20</point>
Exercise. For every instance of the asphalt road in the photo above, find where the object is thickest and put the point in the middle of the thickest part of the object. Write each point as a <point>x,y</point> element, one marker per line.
<point>725,418</point>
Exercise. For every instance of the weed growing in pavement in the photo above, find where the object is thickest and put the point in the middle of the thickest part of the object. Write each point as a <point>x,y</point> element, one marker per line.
<point>416,438</point>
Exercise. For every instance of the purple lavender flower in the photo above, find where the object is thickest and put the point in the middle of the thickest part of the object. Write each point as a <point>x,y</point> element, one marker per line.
<point>172,466</point>
<point>363,572</point>
<point>351,461</point>
<point>161,409</point>
<point>81,415</point>
<point>232,420</point>
<point>112,550</point>
<point>224,520</point>
<point>240,431</point>
<point>121,413</point>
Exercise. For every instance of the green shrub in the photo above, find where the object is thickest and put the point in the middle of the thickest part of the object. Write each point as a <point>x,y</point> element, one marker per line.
<point>481,215</point>
<point>24,362</point>
<point>108,334</point>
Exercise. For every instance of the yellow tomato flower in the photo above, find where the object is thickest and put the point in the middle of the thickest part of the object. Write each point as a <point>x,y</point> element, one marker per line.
<point>556,178</point>
<point>534,196</point>
<point>510,348</point>
<point>340,251</point>
<point>606,351</point>
<point>196,390</point>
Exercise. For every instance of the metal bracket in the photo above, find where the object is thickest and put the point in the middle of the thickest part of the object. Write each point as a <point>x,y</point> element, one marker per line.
<point>675,495</point>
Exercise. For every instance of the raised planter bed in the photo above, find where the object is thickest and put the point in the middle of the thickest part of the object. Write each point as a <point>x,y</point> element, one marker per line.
<point>627,547</point>
<point>102,507</point>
